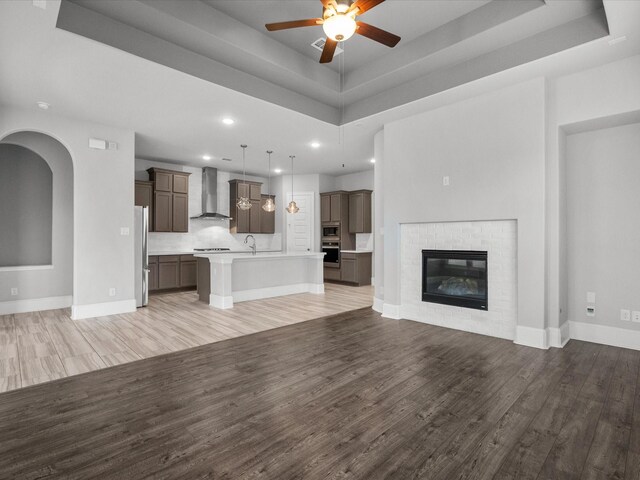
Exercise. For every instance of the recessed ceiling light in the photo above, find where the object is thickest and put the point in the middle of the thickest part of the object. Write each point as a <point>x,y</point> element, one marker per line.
<point>373,160</point>
<point>43,105</point>
<point>206,157</point>
<point>228,121</point>
<point>315,144</point>
<point>278,170</point>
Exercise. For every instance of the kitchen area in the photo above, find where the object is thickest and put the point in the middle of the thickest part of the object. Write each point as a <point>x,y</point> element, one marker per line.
<point>200,241</point>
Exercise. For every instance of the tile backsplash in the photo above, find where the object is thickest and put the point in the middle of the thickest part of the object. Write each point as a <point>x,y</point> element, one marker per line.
<point>364,241</point>
<point>203,234</point>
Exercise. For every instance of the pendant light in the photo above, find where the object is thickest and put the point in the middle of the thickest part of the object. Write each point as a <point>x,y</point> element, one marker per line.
<point>269,205</point>
<point>292,208</point>
<point>243,202</point>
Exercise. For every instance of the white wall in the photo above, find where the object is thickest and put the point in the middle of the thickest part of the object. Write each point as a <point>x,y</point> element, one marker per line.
<point>378,220</point>
<point>493,149</point>
<point>603,220</point>
<point>584,100</point>
<point>355,181</point>
<point>57,281</point>
<point>103,199</point>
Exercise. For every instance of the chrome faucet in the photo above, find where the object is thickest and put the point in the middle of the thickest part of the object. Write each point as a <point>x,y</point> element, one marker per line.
<point>253,247</point>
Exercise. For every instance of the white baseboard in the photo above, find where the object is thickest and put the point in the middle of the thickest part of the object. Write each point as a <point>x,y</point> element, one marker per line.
<point>377,304</point>
<point>35,304</point>
<point>531,337</point>
<point>102,309</point>
<point>558,337</point>
<point>221,301</point>
<point>279,291</point>
<point>614,336</point>
<point>391,311</point>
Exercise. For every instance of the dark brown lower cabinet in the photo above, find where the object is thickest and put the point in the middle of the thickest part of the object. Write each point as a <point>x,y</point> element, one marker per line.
<point>167,272</point>
<point>355,268</point>
<point>188,271</point>
<point>331,273</point>
<point>153,273</point>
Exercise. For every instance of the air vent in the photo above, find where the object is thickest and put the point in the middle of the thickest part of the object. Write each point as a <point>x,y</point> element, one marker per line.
<point>226,160</point>
<point>319,45</point>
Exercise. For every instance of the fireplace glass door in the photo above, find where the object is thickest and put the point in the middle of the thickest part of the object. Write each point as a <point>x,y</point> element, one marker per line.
<point>455,277</point>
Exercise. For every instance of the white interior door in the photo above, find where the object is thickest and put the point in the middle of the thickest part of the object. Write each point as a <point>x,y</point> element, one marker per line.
<point>300,225</point>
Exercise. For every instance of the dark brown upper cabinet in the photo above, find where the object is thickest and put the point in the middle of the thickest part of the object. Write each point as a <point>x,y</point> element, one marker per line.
<point>170,209</point>
<point>334,207</point>
<point>325,208</point>
<point>360,211</point>
<point>245,221</point>
<point>143,194</point>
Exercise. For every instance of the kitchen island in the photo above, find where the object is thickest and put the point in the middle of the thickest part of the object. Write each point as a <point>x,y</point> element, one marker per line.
<point>238,277</point>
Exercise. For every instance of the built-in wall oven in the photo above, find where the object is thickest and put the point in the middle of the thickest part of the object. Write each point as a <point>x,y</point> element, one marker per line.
<point>332,254</point>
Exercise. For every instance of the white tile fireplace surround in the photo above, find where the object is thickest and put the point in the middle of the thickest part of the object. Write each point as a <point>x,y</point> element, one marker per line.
<point>499,239</point>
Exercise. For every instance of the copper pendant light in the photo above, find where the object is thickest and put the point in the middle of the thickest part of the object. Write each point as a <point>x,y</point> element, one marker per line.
<point>292,208</point>
<point>269,205</point>
<point>243,202</point>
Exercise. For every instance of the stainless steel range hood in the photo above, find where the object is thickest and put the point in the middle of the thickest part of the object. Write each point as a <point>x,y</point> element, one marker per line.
<point>210,195</point>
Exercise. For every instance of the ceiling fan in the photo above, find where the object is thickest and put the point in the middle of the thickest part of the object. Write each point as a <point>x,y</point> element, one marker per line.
<point>339,23</point>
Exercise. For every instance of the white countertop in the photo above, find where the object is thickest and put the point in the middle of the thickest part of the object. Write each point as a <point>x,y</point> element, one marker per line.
<point>193,252</point>
<point>259,256</point>
<point>356,251</point>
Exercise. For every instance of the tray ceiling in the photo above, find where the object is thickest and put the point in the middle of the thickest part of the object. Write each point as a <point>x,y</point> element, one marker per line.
<point>444,44</point>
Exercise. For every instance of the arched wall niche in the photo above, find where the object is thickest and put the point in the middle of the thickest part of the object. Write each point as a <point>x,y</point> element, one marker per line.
<point>38,275</point>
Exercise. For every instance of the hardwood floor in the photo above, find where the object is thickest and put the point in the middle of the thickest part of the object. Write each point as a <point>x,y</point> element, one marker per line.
<point>350,396</point>
<point>42,346</point>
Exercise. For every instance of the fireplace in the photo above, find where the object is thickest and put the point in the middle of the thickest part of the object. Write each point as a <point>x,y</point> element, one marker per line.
<point>455,277</point>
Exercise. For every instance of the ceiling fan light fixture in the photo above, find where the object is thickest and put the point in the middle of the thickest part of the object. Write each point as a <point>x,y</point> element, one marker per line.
<point>339,27</point>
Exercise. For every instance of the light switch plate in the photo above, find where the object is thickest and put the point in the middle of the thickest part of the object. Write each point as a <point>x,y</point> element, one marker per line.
<point>445,181</point>
<point>14,291</point>
<point>112,292</point>
<point>591,297</point>
<point>625,315</point>
<point>124,231</point>
<point>635,316</point>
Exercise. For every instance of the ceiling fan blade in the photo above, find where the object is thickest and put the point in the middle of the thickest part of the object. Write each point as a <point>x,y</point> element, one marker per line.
<point>377,34</point>
<point>364,5</point>
<point>328,51</point>
<point>310,22</point>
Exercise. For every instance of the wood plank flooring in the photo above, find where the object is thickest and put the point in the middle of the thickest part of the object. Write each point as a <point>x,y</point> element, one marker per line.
<point>43,346</point>
<point>350,396</point>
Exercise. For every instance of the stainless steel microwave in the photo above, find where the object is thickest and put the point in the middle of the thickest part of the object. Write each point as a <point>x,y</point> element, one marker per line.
<point>331,231</point>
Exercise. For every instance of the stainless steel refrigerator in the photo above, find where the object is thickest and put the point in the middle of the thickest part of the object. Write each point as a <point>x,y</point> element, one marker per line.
<point>141,233</point>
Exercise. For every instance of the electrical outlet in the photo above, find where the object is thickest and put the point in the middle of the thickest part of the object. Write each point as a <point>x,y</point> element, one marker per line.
<point>14,291</point>
<point>124,231</point>
<point>591,311</point>
<point>635,316</point>
<point>591,297</point>
<point>625,315</point>
<point>445,181</point>
<point>112,292</point>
